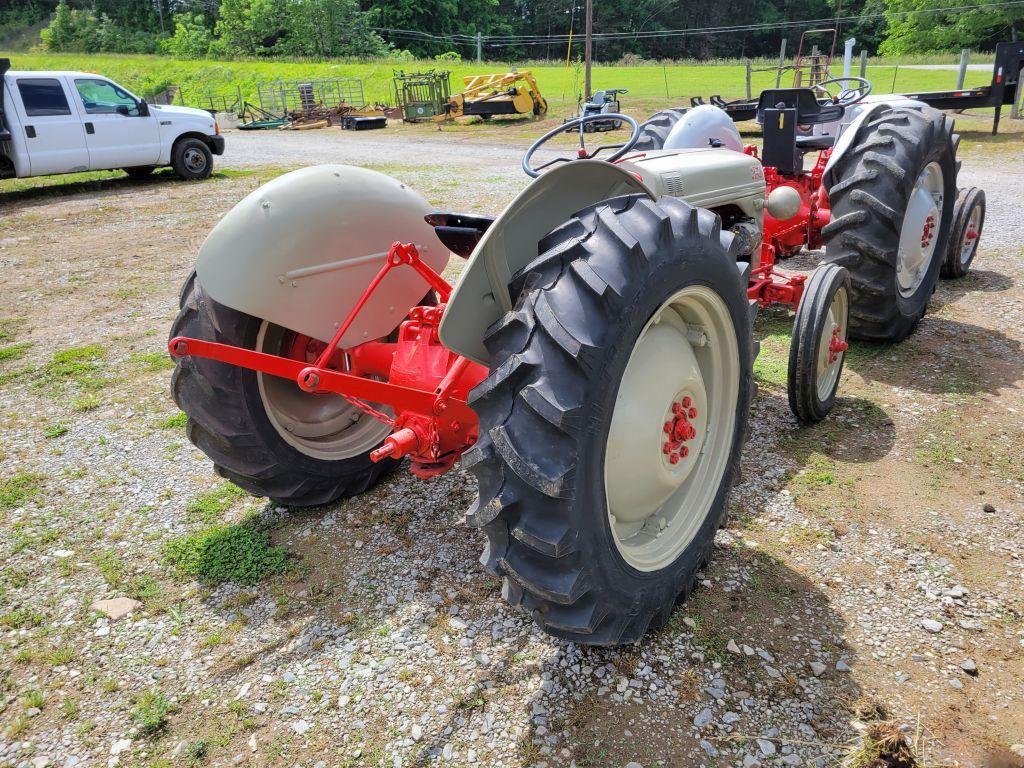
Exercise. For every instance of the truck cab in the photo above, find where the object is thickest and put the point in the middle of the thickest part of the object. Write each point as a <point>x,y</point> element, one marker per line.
<point>67,122</point>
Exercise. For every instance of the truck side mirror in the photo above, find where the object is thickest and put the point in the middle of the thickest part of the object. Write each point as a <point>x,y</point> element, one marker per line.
<point>143,109</point>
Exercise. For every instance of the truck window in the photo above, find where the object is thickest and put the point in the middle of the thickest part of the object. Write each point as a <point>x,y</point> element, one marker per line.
<point>101,97</point>
<point>43,97</point>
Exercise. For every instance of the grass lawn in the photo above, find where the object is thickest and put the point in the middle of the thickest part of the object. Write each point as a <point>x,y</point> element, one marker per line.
<point>653,85</point>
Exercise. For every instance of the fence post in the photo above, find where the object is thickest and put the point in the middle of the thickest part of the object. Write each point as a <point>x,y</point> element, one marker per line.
<point>964,56</point>
<point>782,62</point>
<point>864,64</point>
<point>749,97</point>
<point>479,47</point>
<point>848,55</point>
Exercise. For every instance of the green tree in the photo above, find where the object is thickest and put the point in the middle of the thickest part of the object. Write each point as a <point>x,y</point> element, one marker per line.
<point>192,38</point>
<point>329,28</point>
<point>250,27</point>
<point>440,18</point>
<point>915,27</point>
<point>62,32</point>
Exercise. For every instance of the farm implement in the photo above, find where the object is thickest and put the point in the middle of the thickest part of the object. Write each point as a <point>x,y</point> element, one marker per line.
<point>423,96</point>
<point>1002,90</point>
<point>593,365</point>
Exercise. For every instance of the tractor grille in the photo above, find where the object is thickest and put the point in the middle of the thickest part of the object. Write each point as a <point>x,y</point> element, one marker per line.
<point>673,183</point>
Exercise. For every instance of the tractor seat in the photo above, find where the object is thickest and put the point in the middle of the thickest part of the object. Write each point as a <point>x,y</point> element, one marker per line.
<point>809,111</point>
<point>811,143</point>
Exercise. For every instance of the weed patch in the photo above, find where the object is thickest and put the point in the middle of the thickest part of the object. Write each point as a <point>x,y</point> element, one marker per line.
<point>78,364</point>
<point>13,352</point>
<point>177,421</point>
<point>153,361</point>
<point>208,507</point>
<point>238,553</point>
<point>20,488</point>
<point>772,363</point>
<point>151,711</point>
<point>54,430</point>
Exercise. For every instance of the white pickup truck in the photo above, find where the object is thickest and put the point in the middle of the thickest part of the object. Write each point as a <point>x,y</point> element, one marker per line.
<point>66,122</point>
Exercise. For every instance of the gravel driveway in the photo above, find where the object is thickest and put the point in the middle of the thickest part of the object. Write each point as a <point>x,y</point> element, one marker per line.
<point>870,580</point>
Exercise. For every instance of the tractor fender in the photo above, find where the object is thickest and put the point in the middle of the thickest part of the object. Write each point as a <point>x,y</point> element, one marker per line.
<point>300,250</point>
<point>482,296</point>
<point>858,115</point>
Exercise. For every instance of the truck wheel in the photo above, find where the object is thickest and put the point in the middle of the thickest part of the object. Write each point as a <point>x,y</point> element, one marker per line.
<point>191,159</point>
<point>968,220</point>
<point>612,418</point>
<point>654,132</point>
<point>140,172</point>
<point>818,347</point>
<point>262,432</point>
<point>892,196</point>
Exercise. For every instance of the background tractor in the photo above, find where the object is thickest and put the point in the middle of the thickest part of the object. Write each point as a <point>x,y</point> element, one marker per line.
<point>593,366</point>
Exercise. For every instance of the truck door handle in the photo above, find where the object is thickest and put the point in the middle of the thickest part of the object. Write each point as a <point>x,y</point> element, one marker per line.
<point>30,131</point>
<point>90,128</point>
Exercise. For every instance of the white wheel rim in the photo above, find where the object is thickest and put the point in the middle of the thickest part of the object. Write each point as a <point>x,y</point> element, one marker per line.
<point>832,344</point>
<point>920,231</point>
<point>658,494</point>
<point>325,427</point>
<point>971,234</point>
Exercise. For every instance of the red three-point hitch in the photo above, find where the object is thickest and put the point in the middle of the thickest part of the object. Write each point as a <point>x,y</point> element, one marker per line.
<point>421,382</point>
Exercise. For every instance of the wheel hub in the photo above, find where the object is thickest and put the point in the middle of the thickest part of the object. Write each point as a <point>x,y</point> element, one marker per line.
<point>671,428</point>
<point>194,160</point>
<point>320,425</point>
<point>971,235</point>
<point>679,430</point>
<point>837,345</point>
<point>920,227</point>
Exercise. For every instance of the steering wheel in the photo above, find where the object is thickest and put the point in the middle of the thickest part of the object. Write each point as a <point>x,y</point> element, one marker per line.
<point>847,96</point>
<point>581,152</point>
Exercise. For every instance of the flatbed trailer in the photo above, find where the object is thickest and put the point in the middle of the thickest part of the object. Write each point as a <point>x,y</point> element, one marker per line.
<point>1004,89</point>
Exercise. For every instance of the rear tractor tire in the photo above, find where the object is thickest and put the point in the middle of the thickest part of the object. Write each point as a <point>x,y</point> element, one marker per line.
<point>818,348</point>
<point>654,131</point>
<point>892,196</point>
<point>968,221</point>
<point>612,418</point>
<point>262,432</point>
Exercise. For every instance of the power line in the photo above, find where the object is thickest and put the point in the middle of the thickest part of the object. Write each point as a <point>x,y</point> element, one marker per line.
<point>504,41</point>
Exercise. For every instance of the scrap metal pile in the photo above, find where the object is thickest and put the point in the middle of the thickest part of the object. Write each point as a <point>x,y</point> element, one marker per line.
<point>308,104</point>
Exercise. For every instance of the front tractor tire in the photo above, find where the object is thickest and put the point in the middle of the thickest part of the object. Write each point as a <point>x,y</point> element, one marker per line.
<point>818,347</point>
<point>612,418</point>
<point>968,221</point>
<point>262,432</point>
<point>892,196</point>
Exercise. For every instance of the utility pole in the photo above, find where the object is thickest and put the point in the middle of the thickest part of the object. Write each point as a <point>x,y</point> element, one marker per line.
<point>589,47</point>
